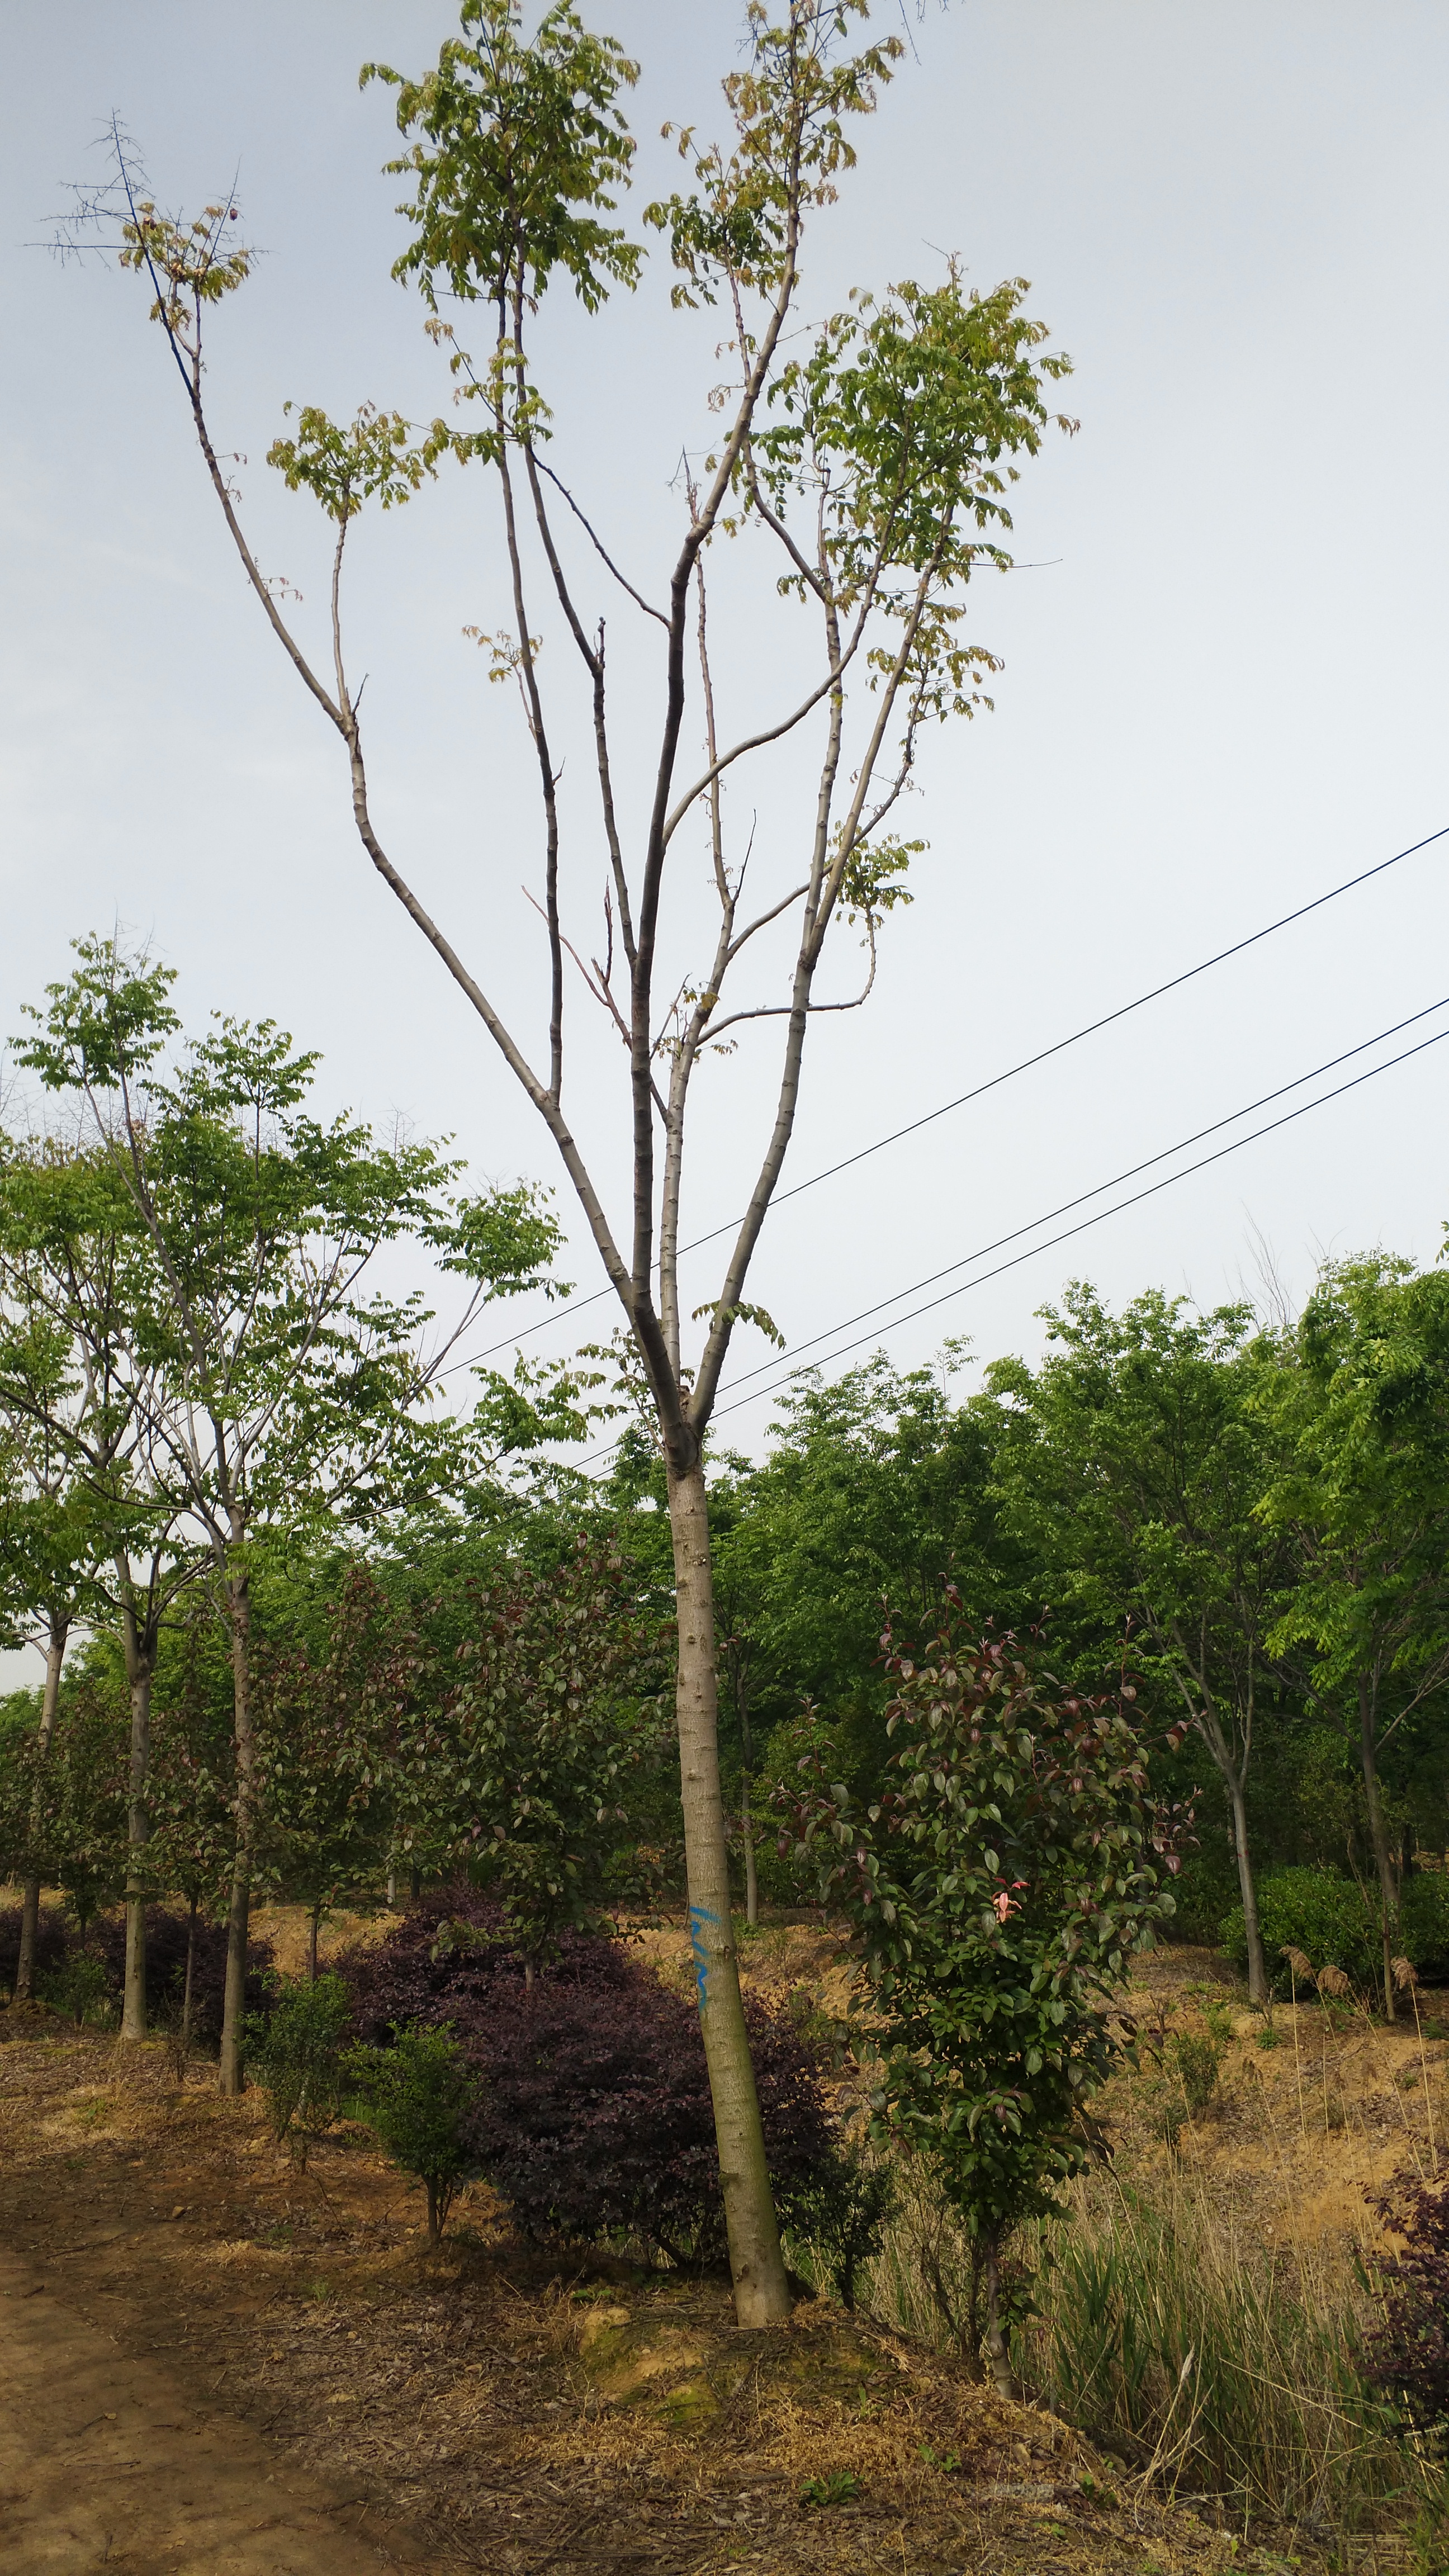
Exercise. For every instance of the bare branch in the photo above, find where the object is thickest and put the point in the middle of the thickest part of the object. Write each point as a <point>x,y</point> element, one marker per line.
<point>624,583</point>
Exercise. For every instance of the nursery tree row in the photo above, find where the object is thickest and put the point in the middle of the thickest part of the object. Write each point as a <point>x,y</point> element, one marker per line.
<point>326,1650</point>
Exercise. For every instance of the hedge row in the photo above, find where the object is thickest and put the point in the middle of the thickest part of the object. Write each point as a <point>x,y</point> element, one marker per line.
<point>1334,1921</point>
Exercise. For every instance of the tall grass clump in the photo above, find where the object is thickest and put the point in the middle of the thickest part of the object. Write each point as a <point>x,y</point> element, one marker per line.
<point>1207,2367</point>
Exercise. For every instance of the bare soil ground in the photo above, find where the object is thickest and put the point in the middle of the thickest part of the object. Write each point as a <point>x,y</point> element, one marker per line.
<point>215,2365</point>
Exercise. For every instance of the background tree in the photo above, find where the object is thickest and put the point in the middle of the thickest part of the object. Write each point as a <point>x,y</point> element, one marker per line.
<point>1362,1395</point>
<point>869,455</point>
<point>1131,1467</point>
<point>191,1787</point>
<point>277,1389</point>
<point>328,1749</point>
<point>94,1535</point>
<point>997,1890</point>
<point>524,1750</point>
<point>46,1543</point>
<point>73,1800</point>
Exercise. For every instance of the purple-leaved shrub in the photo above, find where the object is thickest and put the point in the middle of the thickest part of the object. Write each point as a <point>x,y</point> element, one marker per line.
<point>1407,2354</point>
<point>593,2116</point>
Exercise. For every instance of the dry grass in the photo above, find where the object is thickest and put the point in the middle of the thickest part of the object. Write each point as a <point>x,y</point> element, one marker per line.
<point>1203,2303</point>
<point>522,2413</point>
<point>505,2411</point>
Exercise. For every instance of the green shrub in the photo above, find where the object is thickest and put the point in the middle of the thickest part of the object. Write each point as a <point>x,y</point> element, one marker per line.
<point>1196,2060</point>
<point>296,2056</point>
<point>1328,1918</point>
<point>418,2097</point>
<point>840,2214</point>
<point>1424,1923</point>
<point>1334,1919</point>
<point>79,1988</point>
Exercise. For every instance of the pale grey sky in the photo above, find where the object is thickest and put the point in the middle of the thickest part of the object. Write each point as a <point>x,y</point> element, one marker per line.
<point>1224,683</point>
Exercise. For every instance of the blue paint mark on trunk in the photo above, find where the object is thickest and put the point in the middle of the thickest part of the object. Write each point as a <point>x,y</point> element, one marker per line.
<point>699,1915</point>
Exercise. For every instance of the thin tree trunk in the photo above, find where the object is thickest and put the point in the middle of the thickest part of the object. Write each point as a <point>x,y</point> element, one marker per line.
<point>140,1651</point>
<point>30,1894</point>
<point>1247,1888</point>
<point>435,2233</point>
<point>1234,1777</point>
<point>229,2077</point>
<point>747,1821</point>
<point>752,1876</point>
<point>762,2296</point>
<point>190,1969</point>
<point>313,1920</point>
<point>996,2351</point>
<point>1378,1833</point>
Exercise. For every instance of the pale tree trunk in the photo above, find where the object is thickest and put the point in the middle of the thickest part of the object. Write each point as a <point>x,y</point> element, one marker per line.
<point>996,2352</point>
<point>140,1650</point>
<point>1378,1833</point>
<point>1247,1888</point>
<point>1234,1776</point>
<point>762,2296</point>
<point>190,1970</point>
<point>747,1821</point>
<point>229,2077</point>
<point>752,1876</point>
<point>30,1894</point>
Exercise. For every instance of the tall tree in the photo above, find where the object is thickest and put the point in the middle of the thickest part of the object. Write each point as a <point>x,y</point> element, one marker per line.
<point>94,1536</point>
<point>279,1390</point>
<point>868,456</point>
<point>329,1748</point>
<point>1362,1394</point>
<point>1133,1463</point>
<point>45,1549</point>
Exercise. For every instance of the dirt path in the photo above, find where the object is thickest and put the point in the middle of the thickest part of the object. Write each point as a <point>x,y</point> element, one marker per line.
<point>107,2460</point>
<point>236,2368</point>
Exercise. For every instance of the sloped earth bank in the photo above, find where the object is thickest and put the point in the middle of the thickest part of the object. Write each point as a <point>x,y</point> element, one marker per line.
<point>211,2365</point>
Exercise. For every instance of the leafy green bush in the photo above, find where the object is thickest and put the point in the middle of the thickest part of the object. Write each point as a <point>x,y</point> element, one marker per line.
<point>295,2054</point>
<point>840,2212</point>
<point>417,2096</point>
<point>1328,1918</point>
<point>79,1988</point>
<point>1010,1867</point>
<point>1196,2060</point>
<point>1333,1919</point>
<point>1424,1923</point>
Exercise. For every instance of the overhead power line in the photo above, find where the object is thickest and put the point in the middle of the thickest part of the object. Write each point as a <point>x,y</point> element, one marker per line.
<point>1084,1224</point>
<point>563,1313</point>
<point>1130,1174</point>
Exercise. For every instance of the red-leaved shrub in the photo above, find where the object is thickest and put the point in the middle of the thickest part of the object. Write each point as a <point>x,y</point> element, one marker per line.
<point>446,1960</point>
<point>594,2116</point>
<point>1408,2354</point>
